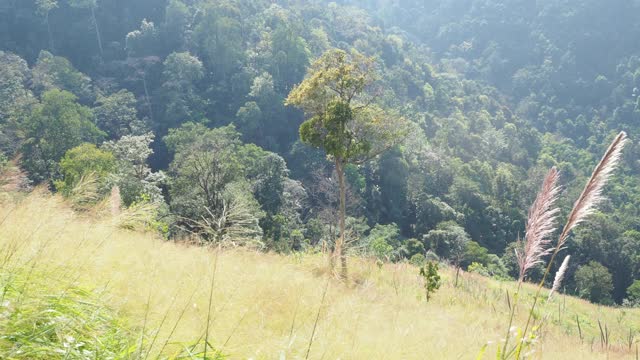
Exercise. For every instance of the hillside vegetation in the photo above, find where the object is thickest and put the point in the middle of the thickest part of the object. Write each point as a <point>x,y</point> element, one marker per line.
<point>180,104</point>
<point>264,305</point>
<point>308,179</point>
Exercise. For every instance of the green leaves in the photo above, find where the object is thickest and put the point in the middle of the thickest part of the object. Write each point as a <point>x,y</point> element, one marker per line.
<point>55,72</point>
<point>221,186</point>
<point>594,282</point>
<point>42,322</point>
<point>54,127</point>
<point>335,75</point>
<point>431,278</point>
<point>343,121</point>
<point>134,177</point>
<point>219,35</point>
<point>329,131</point>
<point>84,160</point>
<point>116,114</point>
<point>183,68</point>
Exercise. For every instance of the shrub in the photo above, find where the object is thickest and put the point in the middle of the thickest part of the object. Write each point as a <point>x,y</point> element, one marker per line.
<point>478,268</point>
<point>431,278</point>
<point>594,283</point>
<point>414,247</point>
<point>474,253</point>
<point>380,248</point>
<point>418,260</point>
<point>81,161</point>
<point>633,295</point>
<point>389,233</point>
<point>496,267</point>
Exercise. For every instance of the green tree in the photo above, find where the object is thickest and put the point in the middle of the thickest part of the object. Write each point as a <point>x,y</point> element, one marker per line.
<point>91,5</point>
<point>268,173</point>
<point>248,119</point>
<point>381,249</point>
<point>414,247</point>
<point>207,162</point>
<point>417,260</point>
<point>84,160</point>
<point>290,57</point>
<point>266,121</point>
<point>55,126</point>
<point>16,101</point>
<point>594,283</point>
<point>177,22</point>
<point>220,37</point>
<point>182,71</point>
<point>204,164</point>
<point>142,42</point>
<point>449,240</point>
<point>14,72</point>
<point>393,186</point>
<point>473,252</point>
<point>342,119</point>
<point>603,240</point>
<point>116,114</point>
<point>383,240</point>
<point>133,176</point>
<point>44,7</point>
<point>633,294</point>
<point>55,72</point>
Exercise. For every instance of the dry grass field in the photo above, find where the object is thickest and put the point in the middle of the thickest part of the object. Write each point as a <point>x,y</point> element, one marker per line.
<point>263,306</point>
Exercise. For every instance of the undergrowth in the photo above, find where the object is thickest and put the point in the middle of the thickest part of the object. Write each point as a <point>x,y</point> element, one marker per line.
<point>40,321</point>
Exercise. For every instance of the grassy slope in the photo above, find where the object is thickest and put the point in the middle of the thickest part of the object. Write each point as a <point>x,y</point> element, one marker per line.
<point>265,305</point>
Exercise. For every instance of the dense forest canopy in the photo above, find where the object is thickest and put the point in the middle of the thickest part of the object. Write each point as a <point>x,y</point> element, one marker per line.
<point>181,105</point>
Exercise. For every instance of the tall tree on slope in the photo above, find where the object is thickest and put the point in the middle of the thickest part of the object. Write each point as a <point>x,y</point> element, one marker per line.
<point>337,97</point>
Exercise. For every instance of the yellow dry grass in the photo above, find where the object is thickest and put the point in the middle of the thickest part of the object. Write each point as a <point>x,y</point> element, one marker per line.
<point>265,305</point>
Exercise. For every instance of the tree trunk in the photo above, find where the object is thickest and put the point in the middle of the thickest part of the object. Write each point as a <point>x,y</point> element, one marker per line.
<point>51,48</point>
<point>339,248</point>
<point>146,95</point>
<point>95,23</point>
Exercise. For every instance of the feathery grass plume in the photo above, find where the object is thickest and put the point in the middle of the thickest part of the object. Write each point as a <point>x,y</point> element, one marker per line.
<point>115,201</point>
<point>540,224</point>
<point>592,193</point>
<point>138,216</point>
<point>560,275</point>
<point>585,205</point>
<point>84,192</point>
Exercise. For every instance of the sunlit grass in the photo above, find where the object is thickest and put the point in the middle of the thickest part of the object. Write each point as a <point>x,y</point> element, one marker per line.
<point>265,305</point>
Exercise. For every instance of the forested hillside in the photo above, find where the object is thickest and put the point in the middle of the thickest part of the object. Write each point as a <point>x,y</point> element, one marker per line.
<point>179,106</point>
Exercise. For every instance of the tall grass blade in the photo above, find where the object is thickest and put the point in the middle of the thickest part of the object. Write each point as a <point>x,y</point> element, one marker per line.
<point>213,280</point>
<point>315,324</point>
